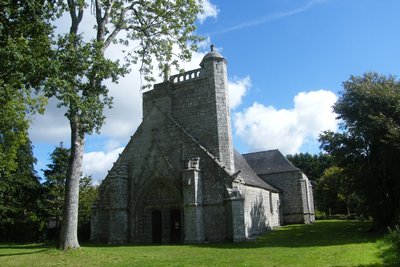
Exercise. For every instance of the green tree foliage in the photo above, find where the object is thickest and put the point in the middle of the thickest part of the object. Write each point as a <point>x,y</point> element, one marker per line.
<point>332,189</point>
<point>311,164</point>
<point>390,245</point>
<point>368,145</point>
<point>54,194</point>
<point>334,194</point>
<point>80,68</point>
<point>87,195</point>
<point>54,188</point>
<point>25,52</point>
<point>20,191</point>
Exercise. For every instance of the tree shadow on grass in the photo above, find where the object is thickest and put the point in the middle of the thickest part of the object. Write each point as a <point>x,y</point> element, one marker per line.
<point>366,265</point>
<point>22,253</point>
<point>39,248</point>
<point>322,233</point>
<point>26,246</point>
<point>105,245</point>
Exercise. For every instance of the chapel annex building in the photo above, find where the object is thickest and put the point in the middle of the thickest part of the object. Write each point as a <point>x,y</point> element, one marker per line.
<point>179,179</point>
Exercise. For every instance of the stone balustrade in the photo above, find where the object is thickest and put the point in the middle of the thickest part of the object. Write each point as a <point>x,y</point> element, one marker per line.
<point>183,77</point>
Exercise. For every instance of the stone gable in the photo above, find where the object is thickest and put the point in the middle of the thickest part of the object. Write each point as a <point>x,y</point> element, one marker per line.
<point>179,179</point>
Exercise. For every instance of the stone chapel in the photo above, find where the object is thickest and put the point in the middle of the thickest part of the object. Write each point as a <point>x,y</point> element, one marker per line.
<point>180,180</point>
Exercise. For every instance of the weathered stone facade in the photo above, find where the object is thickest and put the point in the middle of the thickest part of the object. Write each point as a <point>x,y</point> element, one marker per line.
<point>179,178</point>
<point>295,188</point>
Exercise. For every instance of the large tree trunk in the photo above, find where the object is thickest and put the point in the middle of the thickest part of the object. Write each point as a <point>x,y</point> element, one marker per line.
<point>69,227</point>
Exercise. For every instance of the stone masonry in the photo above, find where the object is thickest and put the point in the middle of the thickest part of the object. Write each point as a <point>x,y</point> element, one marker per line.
<point>179,179</point>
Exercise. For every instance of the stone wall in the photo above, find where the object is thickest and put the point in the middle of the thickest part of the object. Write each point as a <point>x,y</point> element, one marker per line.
<point>200,105</point>
<point>174,180</point>
<point>297,204</point>
<point>155,158</point>
<point>261,210</point>
<point>110,215</point>
<point>307,198</point>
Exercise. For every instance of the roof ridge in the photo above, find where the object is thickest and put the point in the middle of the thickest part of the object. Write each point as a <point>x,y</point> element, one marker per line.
<point>263,151</point>
<point>247,170</point>
<point>267,162</point>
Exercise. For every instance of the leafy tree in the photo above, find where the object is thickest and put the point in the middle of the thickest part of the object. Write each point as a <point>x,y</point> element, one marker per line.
<point>329,192</point>
<point>390,246</point>
<point>81,67</point>
<point>87,195</point>
<point>25,52</point>
<point>20,191</point>
<point>368,145</point>
<point>54,188</point>
<point>334,193</point>
<point>311,164</point>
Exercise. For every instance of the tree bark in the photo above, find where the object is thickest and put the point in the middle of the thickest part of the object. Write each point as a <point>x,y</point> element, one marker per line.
<point>69,227</point>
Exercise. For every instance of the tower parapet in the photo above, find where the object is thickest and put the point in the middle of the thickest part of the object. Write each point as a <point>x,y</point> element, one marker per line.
<point>198,99</point>
<point>187,76</point>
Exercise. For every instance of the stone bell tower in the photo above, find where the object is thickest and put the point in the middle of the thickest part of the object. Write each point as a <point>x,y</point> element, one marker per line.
<point>201,106</point>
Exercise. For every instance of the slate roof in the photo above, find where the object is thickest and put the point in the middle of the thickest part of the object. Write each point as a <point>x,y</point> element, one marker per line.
<point>267,162</point>
<point>248,175</point>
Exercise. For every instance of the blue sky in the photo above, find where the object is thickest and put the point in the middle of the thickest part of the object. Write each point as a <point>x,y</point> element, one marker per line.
<point>287,60</point>
<point>318,47</point>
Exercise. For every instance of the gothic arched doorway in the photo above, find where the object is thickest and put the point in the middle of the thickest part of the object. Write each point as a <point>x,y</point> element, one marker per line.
<point>159,214</point>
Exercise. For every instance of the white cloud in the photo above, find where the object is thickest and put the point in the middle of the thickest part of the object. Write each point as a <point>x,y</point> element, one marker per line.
<point>314,108</point>
<point>237,89</point>
<point>197,56</point>
<point>52,127</point>
<point>265,127</point>
<point>126,114</point>
<point>111,144</point>
<point>209,10</point>
<point>121,120</point>
<point>98,163</point>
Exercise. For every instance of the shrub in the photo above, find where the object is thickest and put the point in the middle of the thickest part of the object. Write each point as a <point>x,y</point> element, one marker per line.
<point>320,215</point>
<point>391,245</point>
<point>393,237</point>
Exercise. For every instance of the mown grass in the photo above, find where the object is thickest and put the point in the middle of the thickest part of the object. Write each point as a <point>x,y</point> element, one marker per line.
<point>325,243</point>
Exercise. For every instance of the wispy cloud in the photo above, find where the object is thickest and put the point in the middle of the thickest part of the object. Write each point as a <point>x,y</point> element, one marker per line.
<point>272,17</point>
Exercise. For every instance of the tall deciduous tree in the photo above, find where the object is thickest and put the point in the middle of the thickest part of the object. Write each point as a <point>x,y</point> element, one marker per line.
<point>368,145</point>
<point>25,53</point>
<point>54,185</point>
<point>54,188</point>
<point>155,27</point>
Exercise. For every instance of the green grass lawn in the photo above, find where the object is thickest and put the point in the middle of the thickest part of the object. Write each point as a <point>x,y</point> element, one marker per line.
<point>325,243</point>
